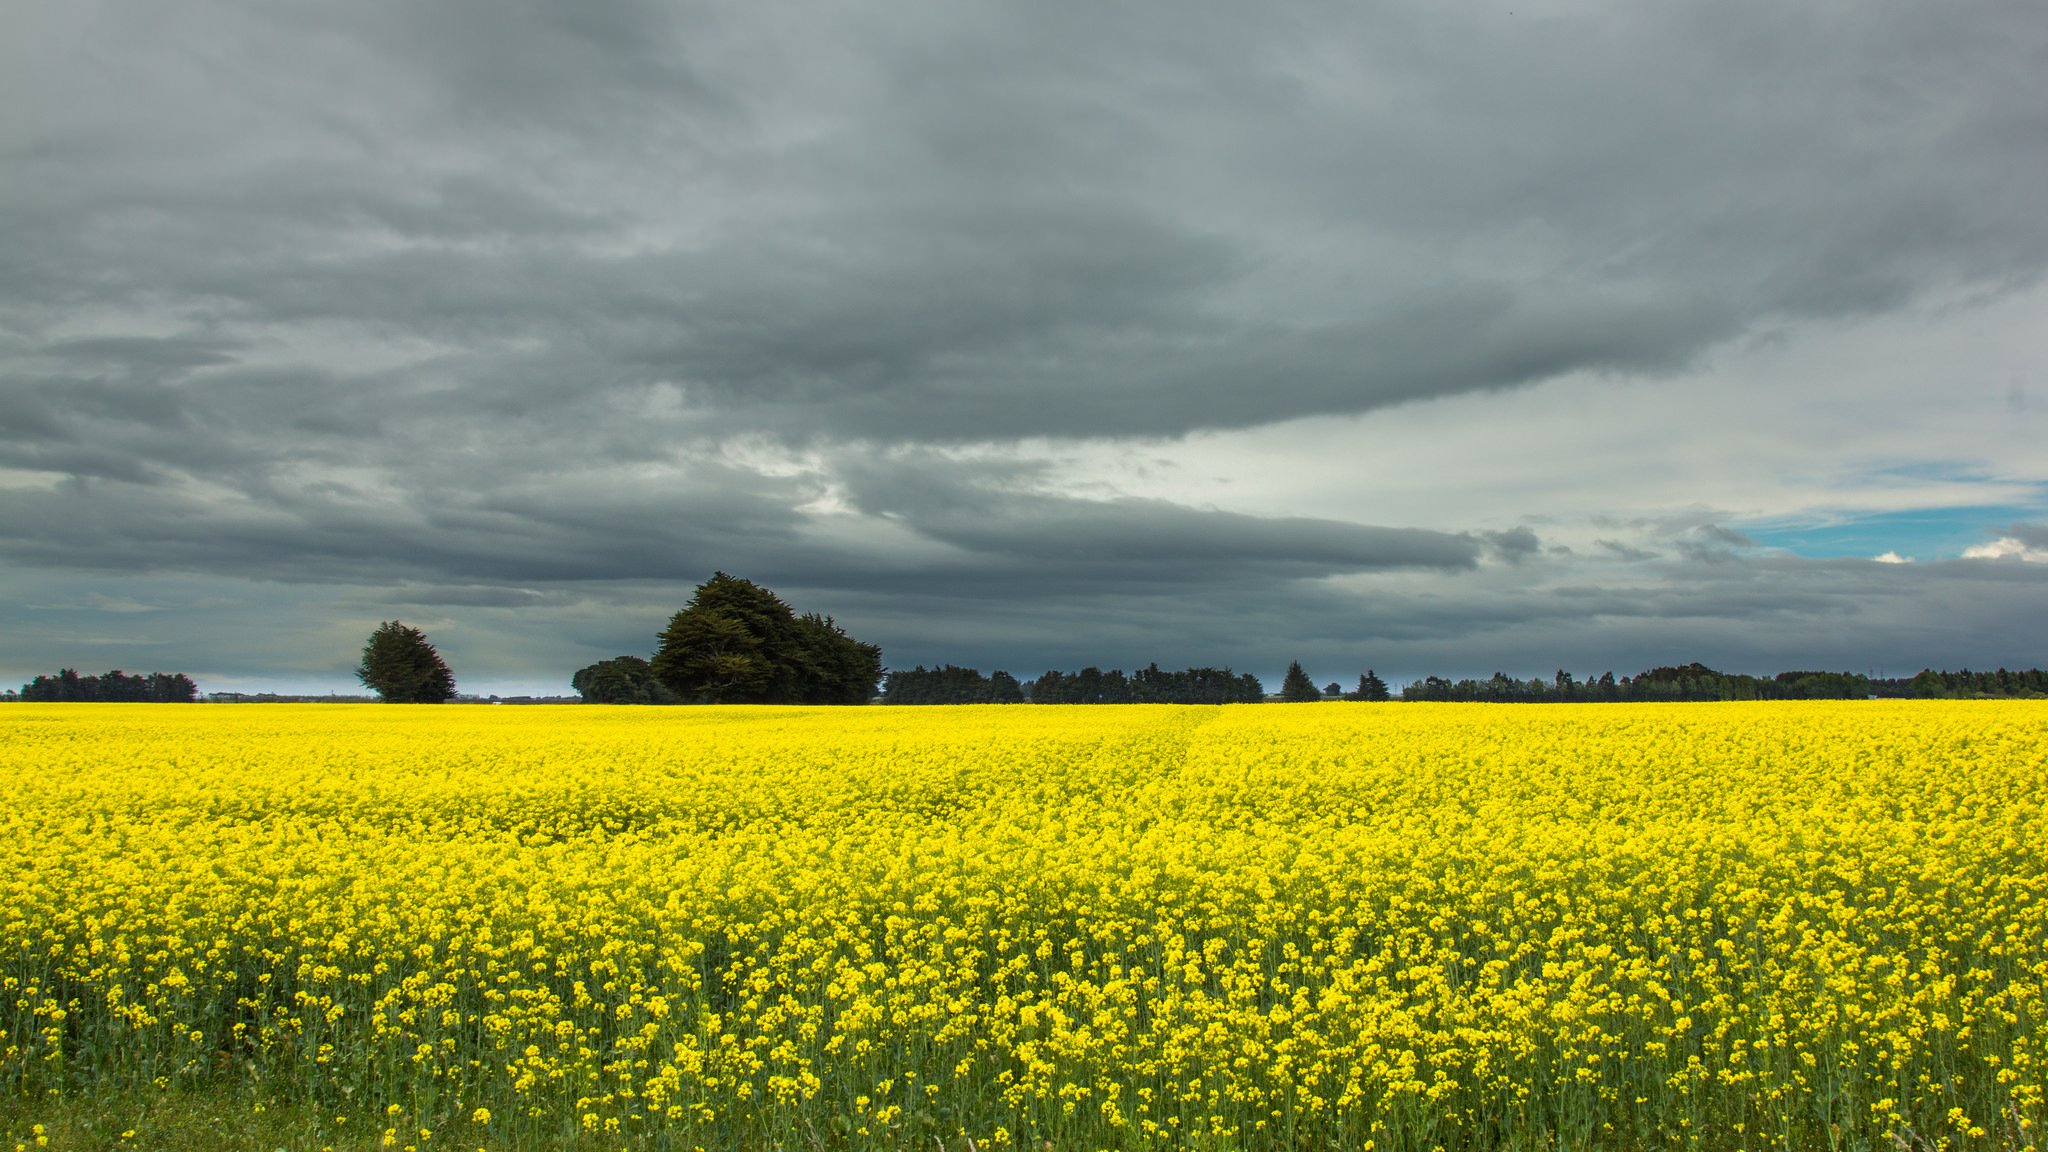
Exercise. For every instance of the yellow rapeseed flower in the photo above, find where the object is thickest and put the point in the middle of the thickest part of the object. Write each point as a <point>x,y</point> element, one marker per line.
<point>1356,926</point>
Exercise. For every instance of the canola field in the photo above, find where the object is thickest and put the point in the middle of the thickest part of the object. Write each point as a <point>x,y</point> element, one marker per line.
<point>1407,926</point>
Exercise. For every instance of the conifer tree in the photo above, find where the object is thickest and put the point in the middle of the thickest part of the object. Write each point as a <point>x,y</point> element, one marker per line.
<point>1296,687</point>
<point>402,668</point>
<point>1371,687</point>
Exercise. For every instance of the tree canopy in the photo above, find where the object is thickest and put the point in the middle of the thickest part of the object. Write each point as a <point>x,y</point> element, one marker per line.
<point>951,684</point>
<point>1372,688</point>
<point>116,686</point>
<point>1684,682</point>
<point>2031,683</point>
<point>621,680</point>
<point>1148,685</point>
<point>738,643</point>
<point>401,667</point>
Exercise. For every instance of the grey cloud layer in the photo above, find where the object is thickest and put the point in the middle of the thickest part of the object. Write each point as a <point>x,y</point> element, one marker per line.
<point>2032,535</point>
<point>1757,613</point>
<point>473,300</point>
<point>967,222</point>
<point>911,525</point>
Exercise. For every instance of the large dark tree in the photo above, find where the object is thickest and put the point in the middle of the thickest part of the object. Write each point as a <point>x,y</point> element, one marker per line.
<point>738,643</point>
<point>1296,687</point>
<point>620,680</point>
<point>402,668</point>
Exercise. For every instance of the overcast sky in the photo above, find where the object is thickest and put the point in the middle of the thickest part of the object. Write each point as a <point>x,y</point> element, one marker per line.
<point>1434,337</point>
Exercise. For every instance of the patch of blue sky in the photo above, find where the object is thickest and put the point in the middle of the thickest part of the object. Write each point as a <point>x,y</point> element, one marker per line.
<point>1919,534</point>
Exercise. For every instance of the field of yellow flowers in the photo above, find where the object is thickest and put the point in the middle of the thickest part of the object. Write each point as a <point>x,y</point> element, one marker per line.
<point>1408,926</point>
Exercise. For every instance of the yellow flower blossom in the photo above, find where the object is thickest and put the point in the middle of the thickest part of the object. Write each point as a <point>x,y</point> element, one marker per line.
<point>1356,926</point>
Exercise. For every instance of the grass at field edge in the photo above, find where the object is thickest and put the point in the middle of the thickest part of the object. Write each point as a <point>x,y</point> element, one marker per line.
<point>222,1118</point>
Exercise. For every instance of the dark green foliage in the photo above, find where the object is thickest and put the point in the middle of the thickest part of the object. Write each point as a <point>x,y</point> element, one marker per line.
<point>830,666</point>
<point>1296,687</point>
<point>1821,685</point>
<point>951,684</point>
<point>111,687</point>
<point>1932,685</point>
<point>620,680</point>
<point>1003,688</point>
<point>1371,688</point>
<point>1696,681</point>
<point>738,643</point>
<point>1149,685</point>
<point>1091,685</point>
<point>402,668</point>
<point>1686,682</point>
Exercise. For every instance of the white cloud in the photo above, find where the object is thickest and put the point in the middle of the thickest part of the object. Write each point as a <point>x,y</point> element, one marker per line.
<point>1892,558</point>
<point>2006,547</point>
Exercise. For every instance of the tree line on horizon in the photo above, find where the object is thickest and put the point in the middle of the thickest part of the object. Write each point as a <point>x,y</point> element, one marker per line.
<point>1689,682</point>
<point>1963,685</point>
<point>951,684</point>
<point>1697,682</point>
<point>736,642</point>
<point>115,687</point>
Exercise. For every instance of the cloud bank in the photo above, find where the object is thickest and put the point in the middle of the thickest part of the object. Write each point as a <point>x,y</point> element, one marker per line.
<point>1022,333</point>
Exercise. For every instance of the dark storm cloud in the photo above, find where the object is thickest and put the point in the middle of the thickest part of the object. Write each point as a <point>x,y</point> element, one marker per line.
<point>325,534</point>
<point>1745,613</point>
<point>1039,534</point>
<point>1139,534</point>
<point>923,526</point>
<point>1753,614</point>
<point>963,222</point>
